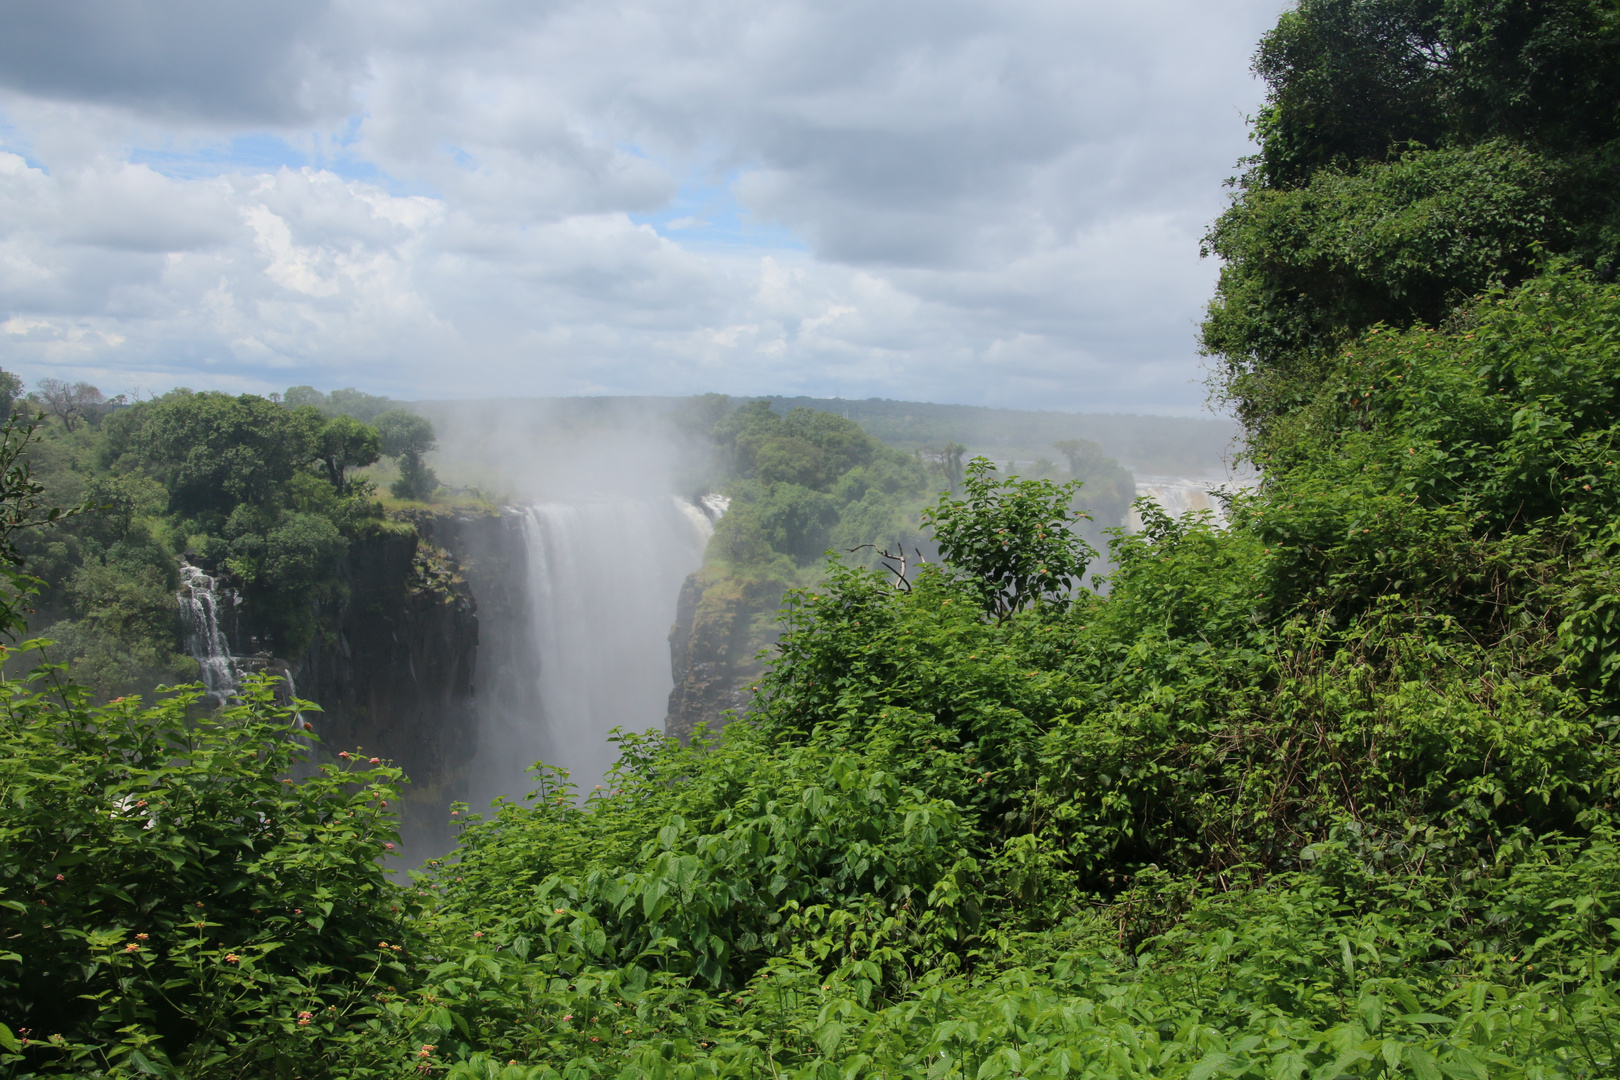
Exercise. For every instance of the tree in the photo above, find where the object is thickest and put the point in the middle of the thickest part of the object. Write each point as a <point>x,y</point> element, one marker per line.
<point>1083,455</point>
<point>1349,79</point>
<point>1011,539</point>
<point>406,437</point>
<point>1353,81</point>
<point>214,452</point>
<point>807,447</point>
<point>75,403</point>
<point>947,459</point>
<point>303,395</point>
<point>358,404</point>
<point>345,443</point>
<point>10,393</point>
<point>1110,488</point>
<point>1413,153</point>
<point>346,402</point>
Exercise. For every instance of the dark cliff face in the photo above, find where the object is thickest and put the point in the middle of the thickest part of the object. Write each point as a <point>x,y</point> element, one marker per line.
<point>400,664</point>
<point>393,668</point>
<point>721,624</point>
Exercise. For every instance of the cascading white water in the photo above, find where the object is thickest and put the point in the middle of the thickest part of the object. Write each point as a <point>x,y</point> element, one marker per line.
<point>1179,495</point>
<point>603,577</point>
<point>199,600</point>
<point>714,506</point>
<point>300,722</point>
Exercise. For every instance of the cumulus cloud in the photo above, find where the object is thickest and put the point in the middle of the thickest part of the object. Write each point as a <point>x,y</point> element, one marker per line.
<point>993,203</point>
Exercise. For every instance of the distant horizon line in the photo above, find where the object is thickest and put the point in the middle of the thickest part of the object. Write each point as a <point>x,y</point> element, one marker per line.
<point>1209,417</point>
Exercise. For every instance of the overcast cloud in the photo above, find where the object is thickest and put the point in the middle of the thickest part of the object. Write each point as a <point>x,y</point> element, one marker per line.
<point>988,203</point>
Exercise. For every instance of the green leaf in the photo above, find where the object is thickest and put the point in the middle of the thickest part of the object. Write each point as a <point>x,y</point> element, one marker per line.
<point>143,1063</point>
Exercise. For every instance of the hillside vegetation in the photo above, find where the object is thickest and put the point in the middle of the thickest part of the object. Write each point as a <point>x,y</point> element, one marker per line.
<point>262,494</point>
<point>802,482</point>
<point>1326,792</point>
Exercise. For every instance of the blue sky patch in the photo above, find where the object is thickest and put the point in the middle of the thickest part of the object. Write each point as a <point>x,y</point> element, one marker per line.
<point>260,152</point>
<point>706,215</point>
<point>13,141</point>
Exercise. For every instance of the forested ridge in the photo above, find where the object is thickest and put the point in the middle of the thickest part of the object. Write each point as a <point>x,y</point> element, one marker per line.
<point>800,483</point>
<point>1326,791</point>
<point>263,494</point>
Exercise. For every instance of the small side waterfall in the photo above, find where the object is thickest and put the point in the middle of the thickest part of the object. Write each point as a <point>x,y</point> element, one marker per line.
<point>201,617</point>
<point>199,599</point>
<point>603,577</point>
<point>714,507</point>
<point>300,722</point>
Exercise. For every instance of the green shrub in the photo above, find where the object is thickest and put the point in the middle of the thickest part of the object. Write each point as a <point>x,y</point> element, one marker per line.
<point>171,899</point>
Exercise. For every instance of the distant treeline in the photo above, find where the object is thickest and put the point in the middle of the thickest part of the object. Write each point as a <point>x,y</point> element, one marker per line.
<point>1156,445</point>
<point>1165,445</point>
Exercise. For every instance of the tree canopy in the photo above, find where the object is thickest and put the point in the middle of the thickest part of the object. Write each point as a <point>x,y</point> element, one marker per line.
<point>1412,153</point>
<point>406,437</point>
<point>213,451</point>
<point>344,443</point>
<point>346,402</point>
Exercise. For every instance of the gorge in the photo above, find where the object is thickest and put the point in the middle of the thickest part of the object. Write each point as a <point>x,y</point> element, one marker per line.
<point>595,600</point>
<point>481,643</point>
<point>628,575</point>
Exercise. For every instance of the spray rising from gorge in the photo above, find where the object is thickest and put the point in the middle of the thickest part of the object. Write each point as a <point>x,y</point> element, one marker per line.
<point>599,583</point>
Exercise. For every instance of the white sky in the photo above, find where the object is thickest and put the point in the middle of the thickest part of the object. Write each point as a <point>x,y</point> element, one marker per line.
<point>983,203</point>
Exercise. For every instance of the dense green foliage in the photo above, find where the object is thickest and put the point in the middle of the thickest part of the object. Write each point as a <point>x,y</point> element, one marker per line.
<point>344,443</point>
<point>807,481</point>
<point>258,493</point>
<point>173,904</point>
<point>350,402</point>
<point>406,437</point>
<point>1328,791</point>
<point>1412,153</point>
<point>1012,541</point>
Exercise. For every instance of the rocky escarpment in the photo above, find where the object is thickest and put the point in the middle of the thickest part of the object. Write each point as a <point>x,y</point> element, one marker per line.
<point>399,663</point>
<point>721,625</point>
<point>392,667</point>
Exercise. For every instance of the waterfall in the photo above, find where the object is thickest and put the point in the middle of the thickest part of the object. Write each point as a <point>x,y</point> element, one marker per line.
<point>601,578</point>
<point>1179,495</point>
<point>205,641</point>
<point>300,722</point>
<point>714,507</point>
